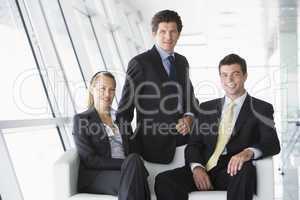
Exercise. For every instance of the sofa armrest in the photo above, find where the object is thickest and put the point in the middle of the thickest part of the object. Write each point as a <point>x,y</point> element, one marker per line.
<point>265,179</point>
<point>66,175</point>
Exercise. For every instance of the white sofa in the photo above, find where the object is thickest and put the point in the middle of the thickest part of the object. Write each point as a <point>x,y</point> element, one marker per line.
<point>66,170</point>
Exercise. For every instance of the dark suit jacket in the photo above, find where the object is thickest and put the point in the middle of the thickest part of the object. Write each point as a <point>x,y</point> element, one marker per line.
<point>152,138</point>
<point>254,128</point>
<point>93,147</point>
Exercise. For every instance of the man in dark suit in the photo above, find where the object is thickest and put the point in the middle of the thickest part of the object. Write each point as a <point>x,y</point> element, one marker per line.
<point>228,135</point>
<point>158,87</point>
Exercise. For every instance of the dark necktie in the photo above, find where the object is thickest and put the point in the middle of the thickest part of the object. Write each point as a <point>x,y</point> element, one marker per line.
<point>172,89</point>
<point>172,73</point>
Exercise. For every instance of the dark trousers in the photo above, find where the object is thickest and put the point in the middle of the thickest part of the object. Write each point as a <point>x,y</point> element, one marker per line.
<point>128,184</point>
<point>178,183</point>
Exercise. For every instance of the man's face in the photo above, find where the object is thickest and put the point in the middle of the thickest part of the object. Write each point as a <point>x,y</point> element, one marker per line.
<point>166,36</point>
<point>232,80</point>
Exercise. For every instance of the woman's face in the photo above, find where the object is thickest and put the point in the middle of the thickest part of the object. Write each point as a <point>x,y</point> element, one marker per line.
<point>103,91</point>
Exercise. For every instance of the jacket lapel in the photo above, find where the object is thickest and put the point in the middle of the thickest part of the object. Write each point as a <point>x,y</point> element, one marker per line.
<point>220,105</point>
<point>243,116</point>
<point>158,65</point>
<point>216,118</point>
<point>160,69</point>
<point>125,139</point>
<point>180,70</point>
<point>95,118</point>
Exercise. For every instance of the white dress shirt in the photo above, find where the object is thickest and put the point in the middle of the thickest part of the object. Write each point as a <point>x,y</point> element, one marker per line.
<point>115,138</point>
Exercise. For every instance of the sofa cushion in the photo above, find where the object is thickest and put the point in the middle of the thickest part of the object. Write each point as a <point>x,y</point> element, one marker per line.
<point>85,196</point>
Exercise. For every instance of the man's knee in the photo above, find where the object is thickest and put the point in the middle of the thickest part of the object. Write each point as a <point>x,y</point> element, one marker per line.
<point>162,181</point>
<point>166,188</point>
<point>243,184</point>
<point>160,178</point>
<point>248,172</point>
<point>248,168</point>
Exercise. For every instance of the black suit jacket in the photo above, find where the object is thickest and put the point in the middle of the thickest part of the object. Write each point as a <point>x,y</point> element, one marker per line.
<point>146,75</point>
<point>93,146</point>
<point>254,128</point>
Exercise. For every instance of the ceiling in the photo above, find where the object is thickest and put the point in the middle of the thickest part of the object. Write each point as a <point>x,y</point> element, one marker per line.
<point>247,27</point>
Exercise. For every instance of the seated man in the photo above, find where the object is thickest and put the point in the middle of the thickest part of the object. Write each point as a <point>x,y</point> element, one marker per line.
<point>229,133</point>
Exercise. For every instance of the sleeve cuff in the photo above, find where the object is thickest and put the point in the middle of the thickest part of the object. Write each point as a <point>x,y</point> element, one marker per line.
<point>194,165</point>
<point>256,152</point>
<point>189,114</point>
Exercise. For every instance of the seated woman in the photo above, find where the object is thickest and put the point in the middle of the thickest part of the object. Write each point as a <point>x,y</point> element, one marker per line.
<point>106,167</point>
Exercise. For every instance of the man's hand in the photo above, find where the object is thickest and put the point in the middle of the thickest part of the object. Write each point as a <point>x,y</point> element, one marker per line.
<point>201,179</point>
<point>184,125</point>
<point>236,162</point>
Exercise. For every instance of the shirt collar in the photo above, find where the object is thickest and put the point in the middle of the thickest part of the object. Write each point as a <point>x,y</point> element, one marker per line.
<point>163,54</point>
<point>113,114</point>
<point>238,101</point>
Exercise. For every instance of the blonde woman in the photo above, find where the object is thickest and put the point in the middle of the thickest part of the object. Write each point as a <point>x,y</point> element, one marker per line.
<point>106,167</point>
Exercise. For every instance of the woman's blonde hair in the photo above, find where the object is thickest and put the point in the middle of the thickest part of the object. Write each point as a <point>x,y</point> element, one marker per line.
<point>90,101</point>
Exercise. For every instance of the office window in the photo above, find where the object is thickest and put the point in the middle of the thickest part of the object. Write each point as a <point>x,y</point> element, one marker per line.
<point>92,44</point>
<point>66,57</point>
<point>23,95</point>
<point>145,35</point>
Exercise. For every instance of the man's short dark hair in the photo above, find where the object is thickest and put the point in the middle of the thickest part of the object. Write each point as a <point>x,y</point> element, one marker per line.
<point>166,16</point>
<point>234,59</point>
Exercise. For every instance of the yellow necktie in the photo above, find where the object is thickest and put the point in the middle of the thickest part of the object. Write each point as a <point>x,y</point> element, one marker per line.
<point>224,133</point>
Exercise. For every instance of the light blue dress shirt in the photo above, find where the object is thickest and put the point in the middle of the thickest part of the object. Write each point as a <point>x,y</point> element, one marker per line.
<point>166,63</point>
<point>164,57</point>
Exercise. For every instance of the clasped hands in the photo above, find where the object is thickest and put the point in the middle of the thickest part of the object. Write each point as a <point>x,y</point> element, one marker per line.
<point>184,125</point>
